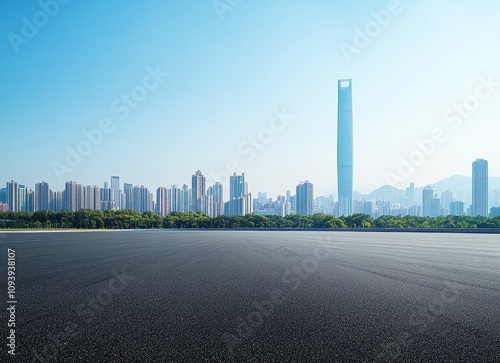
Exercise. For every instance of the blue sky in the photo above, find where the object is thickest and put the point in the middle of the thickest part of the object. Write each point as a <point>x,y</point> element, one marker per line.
<point>228,74</point>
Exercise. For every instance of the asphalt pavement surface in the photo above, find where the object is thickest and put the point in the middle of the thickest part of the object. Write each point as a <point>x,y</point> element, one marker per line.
<point>252,296</point>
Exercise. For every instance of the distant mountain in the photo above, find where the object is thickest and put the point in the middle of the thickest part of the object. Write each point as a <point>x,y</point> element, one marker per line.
<point>386,192</point>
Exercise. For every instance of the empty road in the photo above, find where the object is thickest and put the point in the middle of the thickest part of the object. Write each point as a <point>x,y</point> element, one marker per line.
<point>253,296</point>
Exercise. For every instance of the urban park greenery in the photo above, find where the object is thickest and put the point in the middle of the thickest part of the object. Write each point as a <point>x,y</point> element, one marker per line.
<point>127,219</point>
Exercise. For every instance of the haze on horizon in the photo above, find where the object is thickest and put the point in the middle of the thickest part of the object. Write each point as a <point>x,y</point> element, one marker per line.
<point>216,78</point>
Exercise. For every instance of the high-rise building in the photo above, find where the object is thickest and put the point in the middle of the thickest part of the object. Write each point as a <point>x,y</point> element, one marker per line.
<point>92,199</point>
<point>57,201</point>
<point>430,205</point>
<point>142,200</point>
<point>107,197</point>
<point>198,190</point>
<point>240,202</point>
<point>305,197</point>
<point>29,204</point>
<point>410,194</point>
<point>174,196</point>
<point>262,197</point>
<point>115,184</point>
<point>74,198</point>
<point>13,196</point>
<point>26,198</point>
<point>446,199</point>
<point>42,196</point>
<point>480,188</point>
<point>345,147</point>
<point>457,208</point>
<point>186,195</point>
<point>215,192</point>
<point>3,195</point>
<point>496,198</point>
<point>128,191</point>
<point>161,201</point>
<point>237,186</point>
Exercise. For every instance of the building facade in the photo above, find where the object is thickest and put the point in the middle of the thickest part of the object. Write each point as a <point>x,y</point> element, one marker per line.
<point>345,147</point>
<point>480,188</point>
<point>305,198</point>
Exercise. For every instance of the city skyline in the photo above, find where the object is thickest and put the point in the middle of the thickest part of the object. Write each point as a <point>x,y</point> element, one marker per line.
<point>160,105</point>
<point>210,200</point>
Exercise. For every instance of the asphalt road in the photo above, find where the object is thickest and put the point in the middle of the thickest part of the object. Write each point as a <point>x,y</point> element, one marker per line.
<point>256,296</point>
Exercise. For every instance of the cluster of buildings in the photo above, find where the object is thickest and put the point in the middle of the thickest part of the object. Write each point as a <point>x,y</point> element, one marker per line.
<point>75,196</point>
<point>198,197</point>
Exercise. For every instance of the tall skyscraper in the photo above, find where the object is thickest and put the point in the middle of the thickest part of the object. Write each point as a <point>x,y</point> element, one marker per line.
<point>199,190</point>
<point>115,184</point>
<point>215,192</point>
<point>92,198</point>
<point>73,196</point>
<point>13,196</point>
<point>430,205</point>
<point>42,196</point>
<point>446,199</point>
<point>174,196</point>
<point>129,198</point>
<point>410,194</point>
<point>26,198</point>
<point>345,147</point>
<point>56,201</point>
<point>186,195</point>
<point>305,197</point>
<point>457,208</point>
<point>141,199</point>
<point>480,188</point>
<point>240,202</point>
<point>237,186</point>
<point>161,201</point>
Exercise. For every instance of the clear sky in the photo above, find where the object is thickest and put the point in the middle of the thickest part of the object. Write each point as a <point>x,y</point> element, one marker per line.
<point>230,68</point>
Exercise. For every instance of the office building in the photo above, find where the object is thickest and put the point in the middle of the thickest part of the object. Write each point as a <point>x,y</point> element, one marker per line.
<point>446,199</point>
<point>142,199</point>
<point>345,147</point>
<point>410,194</point>
<point>430,205</point>
<point>129,197</point>
<point>480,188</point>
<point>240,202</point>
<point>457,208</point>
<point>115,184</point>
<point>305,197</point>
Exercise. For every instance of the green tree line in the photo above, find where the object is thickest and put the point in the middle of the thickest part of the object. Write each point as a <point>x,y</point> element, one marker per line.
<point>127,219</point>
